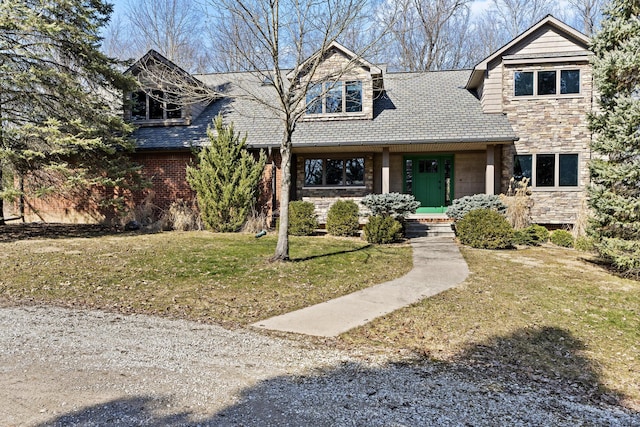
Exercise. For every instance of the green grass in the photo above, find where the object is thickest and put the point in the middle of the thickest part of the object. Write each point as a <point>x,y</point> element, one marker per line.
<point>540,312</point>
<point>223,278</point>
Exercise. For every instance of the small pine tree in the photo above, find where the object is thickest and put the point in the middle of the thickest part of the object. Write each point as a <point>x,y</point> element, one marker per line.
<point>615,167</point>
<point>225,179</point>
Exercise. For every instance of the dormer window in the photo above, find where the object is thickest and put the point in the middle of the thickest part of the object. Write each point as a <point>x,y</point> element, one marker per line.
<point>334,98</point>
<point>547,82</point>
<point>153,106</point>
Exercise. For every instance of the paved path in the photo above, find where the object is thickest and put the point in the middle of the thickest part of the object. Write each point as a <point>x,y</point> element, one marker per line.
<point>437,266</point>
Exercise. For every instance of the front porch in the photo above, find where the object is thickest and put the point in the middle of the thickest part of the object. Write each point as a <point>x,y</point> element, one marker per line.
<point>435,174</point>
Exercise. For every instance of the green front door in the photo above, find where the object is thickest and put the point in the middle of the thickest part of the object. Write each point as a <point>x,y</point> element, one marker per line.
<point>430,180</point>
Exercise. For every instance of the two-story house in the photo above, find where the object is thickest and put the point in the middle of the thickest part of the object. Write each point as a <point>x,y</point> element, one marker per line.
<point>437,135</point>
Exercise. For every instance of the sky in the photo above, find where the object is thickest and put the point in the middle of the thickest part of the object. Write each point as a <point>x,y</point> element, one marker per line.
<point>476,7</point>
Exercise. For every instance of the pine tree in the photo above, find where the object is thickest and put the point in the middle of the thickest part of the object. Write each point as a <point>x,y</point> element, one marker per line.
<point>226,178</point>
<point>58,124</point>
<point>615,166</point>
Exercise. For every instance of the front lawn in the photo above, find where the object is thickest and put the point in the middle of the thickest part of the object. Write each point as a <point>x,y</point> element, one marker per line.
<point>542,313</point>
<point>223,278</point>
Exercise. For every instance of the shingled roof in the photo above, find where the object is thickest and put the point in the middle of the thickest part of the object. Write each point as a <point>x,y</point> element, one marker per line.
<point>415,108</point>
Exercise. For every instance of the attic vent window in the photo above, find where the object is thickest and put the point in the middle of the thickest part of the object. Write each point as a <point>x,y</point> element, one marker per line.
<point>546,82</point>
<point>334,98</point>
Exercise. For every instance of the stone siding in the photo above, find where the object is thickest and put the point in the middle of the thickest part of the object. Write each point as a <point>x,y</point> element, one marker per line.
<point>323,204</point>
<point>550,125</point>
<point>324,197</point>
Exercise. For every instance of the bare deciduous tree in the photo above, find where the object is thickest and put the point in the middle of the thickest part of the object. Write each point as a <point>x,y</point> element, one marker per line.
<point>427,34</point>
<point>175,28</point>
<point>272,37</point>
<point>588,14</point>
<point>515,16</point>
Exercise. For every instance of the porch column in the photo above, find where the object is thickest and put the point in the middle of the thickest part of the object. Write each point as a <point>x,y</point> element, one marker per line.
<point>385,170</point>
<point>490,175</point>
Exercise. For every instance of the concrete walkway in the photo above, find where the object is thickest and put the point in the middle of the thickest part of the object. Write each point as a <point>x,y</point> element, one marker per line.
<point>437,266</point>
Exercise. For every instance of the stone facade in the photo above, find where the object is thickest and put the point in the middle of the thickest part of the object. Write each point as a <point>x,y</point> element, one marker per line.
<point>324,197</point>
<point>550,125</point>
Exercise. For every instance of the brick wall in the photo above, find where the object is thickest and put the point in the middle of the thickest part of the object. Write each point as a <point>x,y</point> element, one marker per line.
<point>167,173</point>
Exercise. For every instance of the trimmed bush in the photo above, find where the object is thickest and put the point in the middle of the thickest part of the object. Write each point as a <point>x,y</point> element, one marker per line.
<point>342,218</point>
<point>462,206</point>
<point>485,229</point>
<point>584,244</point>
<point>533,235</point>
<point>562,238</point>
<point>382,229</point>
<point>302,218</point>
<point>391,204</point>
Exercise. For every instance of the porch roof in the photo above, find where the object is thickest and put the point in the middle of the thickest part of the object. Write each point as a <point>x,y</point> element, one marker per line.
<point>415,108</point>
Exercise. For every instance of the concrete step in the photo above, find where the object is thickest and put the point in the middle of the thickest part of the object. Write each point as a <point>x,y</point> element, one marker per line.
<point>421,229</point>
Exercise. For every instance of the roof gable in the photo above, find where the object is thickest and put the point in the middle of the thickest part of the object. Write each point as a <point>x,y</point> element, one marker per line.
<point>163,66</point>
<point>334,47</point>
<point>518,45</point>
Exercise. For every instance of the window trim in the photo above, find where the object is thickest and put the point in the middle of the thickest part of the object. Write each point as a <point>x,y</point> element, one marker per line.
<point>558,83</point>
<point>326,88</point>
<point>556,171</point>
<point>324,184</point>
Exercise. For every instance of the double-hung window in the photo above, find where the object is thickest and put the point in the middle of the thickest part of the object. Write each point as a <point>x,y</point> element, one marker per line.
<point>334,172</point>
<point>546,82</point>
<point>547,170</point>
<point>334,98</point>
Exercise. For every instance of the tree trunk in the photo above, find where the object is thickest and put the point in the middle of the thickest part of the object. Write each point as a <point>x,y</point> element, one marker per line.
<point>1,199</point>
<point>282,248</point>
<point>21,200</point>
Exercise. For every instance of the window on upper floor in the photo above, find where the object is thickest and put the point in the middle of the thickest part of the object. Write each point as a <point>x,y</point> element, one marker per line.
<point>546,82</point>
<point>334,172</point>
<point>154,106</point>
<point>334,98</point>
<point>547,170</point>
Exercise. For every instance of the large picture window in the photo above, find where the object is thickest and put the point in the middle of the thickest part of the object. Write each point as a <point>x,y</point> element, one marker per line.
<point>334,172</point>
<point>153,107</point>
<point>334,98</point>
<point>549,170</point>
<point>546,82</point>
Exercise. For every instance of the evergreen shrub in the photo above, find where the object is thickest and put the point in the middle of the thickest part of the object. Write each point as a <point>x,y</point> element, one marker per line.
<point>225,178</point>
<point>485,229</point>
<point>382,229</point>
<point>533,235</point>
<point>462,206</point>
<point>584,244</point>
<point>302,218</point>
<point>624,255</point>
<point>342,218</point>
<point>395,205</point>
<point>562,238</point>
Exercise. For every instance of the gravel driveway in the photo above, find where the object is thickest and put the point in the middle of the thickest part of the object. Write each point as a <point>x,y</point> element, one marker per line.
<point>69,367</point>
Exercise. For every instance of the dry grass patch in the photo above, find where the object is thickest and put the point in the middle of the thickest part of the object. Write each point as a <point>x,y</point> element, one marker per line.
<point>541,312</point>
<point>203,276</point>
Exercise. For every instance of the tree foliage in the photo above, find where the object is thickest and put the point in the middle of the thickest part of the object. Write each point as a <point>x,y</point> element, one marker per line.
<point>225,179</point>
<point>615,166</point>
<point>58,124</point>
